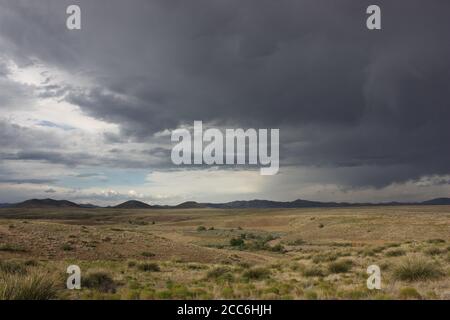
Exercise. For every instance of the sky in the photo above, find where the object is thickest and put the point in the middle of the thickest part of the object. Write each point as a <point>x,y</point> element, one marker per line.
<point>86,115</point>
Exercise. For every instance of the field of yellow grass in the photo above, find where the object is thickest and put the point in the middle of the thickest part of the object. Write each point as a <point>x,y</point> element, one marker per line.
<point>320,253</point>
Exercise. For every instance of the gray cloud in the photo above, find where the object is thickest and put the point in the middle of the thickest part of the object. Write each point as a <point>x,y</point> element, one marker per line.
<point>376,103</point>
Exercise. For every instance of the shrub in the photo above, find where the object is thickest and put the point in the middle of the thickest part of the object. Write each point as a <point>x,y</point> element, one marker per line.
<point>149,267</point>
<point>417,269</point>
<point>201,228</point>
<point>30,263</point>
<point>341,266</point>
<point>147,254</point>
<point>99,280</point>
<point>395,253</point>
<point>67,247</point>
<point>33,287</point>
<point>236,242</point>
<point>409,293</point>
<point>256,274</point>
<point>321,225</point>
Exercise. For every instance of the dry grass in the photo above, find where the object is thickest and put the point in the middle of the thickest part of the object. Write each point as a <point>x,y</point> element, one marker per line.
<point>237,254</point>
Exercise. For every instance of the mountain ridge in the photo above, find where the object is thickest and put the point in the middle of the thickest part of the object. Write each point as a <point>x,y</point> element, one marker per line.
<point>238,204</point>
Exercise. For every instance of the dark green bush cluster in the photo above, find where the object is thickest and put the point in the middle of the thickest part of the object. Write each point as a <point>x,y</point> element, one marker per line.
<point>99,280</point>
<point>340,266</point>
<point>149,267</point>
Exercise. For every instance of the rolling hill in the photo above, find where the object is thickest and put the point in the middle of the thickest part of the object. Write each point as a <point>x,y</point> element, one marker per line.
<point>242,204</point>
<point>133,204</point>
<point>46,203</point>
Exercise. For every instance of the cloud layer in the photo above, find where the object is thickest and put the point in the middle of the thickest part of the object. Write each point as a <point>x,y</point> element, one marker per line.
<point>357,109</point>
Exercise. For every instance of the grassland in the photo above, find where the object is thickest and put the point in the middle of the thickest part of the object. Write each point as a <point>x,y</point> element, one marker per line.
<point>226,254</point>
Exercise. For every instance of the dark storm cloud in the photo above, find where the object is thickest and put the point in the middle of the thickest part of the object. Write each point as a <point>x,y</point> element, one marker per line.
<point>13,136</point>
<point>343,96</point>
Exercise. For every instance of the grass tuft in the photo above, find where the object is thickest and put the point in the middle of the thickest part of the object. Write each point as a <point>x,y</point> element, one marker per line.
<point>32,287</point>
<point>417,269</point>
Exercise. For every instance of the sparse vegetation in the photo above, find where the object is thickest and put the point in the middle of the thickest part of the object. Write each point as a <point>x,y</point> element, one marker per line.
<point>67,247</point>
<point>31,287</point>
<point>417,269</point>
<point>10,267</point>
<point>256,274</point>
<point>237,242</point>
<point>99,280</point>
<point>433,251</point>
<point>147,254</point>
<point>340,266</point>
<point>395,253</point>
<point>272,256</point>
<point>153,267</point>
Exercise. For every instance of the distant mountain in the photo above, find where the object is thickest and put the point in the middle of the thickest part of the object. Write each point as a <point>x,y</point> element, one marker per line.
<point>133,204</point>
<point>261,204</point>
<point>46,203</point>
<point>244,204</point>
<point>437,201</point>
<point>191,205</point>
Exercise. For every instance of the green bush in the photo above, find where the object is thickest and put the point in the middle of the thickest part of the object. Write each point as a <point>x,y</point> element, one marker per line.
<point>201,228</point>
<point>147,254</point>
<point>236,242</point>
<point>417,269</point>
<point>67,247</point>
<point>99,280</point>
<point>149,267</point>
<point>340,266</point>
<point>256,274</point>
